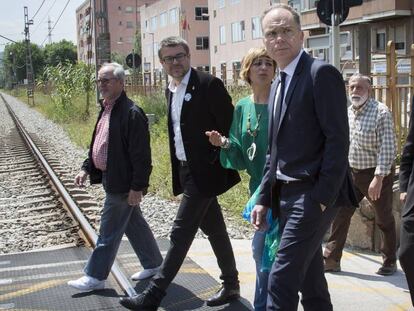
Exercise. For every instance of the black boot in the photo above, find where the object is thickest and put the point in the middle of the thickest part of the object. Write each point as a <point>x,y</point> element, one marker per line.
<point>224,295</point>
<point>148,300</point>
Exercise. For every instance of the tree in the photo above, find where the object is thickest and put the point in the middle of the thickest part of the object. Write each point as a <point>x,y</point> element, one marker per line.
<point>60,52</point>
<point>15,61</point>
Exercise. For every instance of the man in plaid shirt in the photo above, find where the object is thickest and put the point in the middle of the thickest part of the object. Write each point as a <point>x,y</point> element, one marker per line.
<point>371,158</point>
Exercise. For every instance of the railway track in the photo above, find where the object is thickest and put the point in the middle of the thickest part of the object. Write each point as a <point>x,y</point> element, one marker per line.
<point>39,205</point>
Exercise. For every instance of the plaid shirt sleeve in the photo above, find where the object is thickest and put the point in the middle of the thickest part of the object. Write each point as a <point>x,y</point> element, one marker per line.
<point>386,137</point>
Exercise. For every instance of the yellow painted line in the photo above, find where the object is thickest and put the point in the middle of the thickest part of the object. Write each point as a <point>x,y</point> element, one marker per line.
<point>32,289</point>
<point>400,307</point>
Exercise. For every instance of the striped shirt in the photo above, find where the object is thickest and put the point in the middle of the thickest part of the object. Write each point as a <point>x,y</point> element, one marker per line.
<point>100,145</point>
<point>372,137</point>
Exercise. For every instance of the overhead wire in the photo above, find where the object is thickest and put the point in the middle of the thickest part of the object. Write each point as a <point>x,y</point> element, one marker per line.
<point>43,18</point>
<point>38,9</point>
<point>61,13</point>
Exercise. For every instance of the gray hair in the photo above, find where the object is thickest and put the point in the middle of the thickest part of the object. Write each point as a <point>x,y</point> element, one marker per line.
<point>359,76</point>
<point>296,16</point>
<point>173,41</point>
<point>118,70</point>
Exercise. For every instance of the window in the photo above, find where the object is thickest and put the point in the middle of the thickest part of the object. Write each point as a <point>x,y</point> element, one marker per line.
<point>380,40</point>
<point>400,37</point>
<point>222,34</point>
<point>201,14</point>
<point>256,28</point>
<point>163,19</point>
<point>234,1</point>
<point>146,26</point>
<point>129,25</point>
<point>220,4</point>
<point>120,23</point>
<point>129,9</point>
<point>202,43</point>
<point>237,31</point>
<point>295,4</point>
<point>203,68</point>
<point>173,16</point>
<point>310,4</point>
<point>153,25</point>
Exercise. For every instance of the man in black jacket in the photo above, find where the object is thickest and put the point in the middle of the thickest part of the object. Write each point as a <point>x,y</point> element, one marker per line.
<point>197,102</point>
<point>120,158</point>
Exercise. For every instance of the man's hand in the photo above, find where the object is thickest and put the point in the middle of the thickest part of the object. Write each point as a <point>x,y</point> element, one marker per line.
<point>403,196</point>
<point>374,189</point>
<point>258,217</point>
<point>215,138</point>
<point>134,197</point>
<point>81,178</point>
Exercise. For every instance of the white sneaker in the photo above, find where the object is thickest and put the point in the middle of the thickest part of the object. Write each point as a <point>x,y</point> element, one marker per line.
<point>144,274</point>
<point>87,284</point>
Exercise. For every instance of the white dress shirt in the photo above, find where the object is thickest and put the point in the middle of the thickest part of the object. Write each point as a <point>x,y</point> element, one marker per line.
<point>178,93</point>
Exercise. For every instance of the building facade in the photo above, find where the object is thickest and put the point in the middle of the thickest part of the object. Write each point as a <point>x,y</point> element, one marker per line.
<point>122,25</point>
<point>235,28</point>
<point>186,18</point>
<point>368,27</point>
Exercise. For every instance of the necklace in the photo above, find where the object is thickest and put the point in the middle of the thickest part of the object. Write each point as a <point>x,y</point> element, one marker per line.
<point>251,151</point>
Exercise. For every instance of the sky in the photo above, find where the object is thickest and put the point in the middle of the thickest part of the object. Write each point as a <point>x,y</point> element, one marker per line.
<point>12,20</point>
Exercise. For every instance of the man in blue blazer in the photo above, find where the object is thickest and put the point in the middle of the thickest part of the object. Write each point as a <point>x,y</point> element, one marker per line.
<point>306,173</point>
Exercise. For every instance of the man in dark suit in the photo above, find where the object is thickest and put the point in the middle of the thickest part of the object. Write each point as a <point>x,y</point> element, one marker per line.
<point>305,176</point>
<point>406,251</point>
<point>197,102</point>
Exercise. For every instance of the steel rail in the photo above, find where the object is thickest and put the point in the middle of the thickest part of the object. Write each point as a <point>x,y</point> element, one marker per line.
<point>87,229</point>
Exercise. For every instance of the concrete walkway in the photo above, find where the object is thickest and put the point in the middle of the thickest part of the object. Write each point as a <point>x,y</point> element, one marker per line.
<point>357,287</point>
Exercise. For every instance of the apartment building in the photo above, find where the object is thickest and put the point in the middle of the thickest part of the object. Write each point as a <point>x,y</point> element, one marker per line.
<point>234,29</point>
<point>185,18</point>
<point>369,27</point>
<point>122,24</point>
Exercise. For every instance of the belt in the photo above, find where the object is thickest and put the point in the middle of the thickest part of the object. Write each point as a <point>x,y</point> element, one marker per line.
<point>183,163</point>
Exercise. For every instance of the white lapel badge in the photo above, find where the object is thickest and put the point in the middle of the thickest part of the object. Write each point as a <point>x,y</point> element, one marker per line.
<point>187,97</point>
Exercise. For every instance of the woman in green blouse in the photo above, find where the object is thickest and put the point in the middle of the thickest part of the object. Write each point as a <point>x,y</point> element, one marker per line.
<point>246,146</point>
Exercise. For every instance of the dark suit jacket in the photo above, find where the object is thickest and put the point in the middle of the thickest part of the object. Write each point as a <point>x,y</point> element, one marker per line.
<point>406,167</point>
<point>312,140</point>
<point>209,108</point>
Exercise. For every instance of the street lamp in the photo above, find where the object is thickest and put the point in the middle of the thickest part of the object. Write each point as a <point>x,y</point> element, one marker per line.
<point>153,56</point>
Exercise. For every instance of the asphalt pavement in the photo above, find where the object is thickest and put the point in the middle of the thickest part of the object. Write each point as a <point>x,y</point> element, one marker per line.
<point>356,287</point>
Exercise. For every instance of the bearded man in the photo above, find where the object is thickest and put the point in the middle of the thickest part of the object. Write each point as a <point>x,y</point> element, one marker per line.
<point>371,157</point>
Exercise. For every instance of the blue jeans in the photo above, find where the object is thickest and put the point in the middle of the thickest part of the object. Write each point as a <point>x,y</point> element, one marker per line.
<point>118,218</point>
<point>260,294</point>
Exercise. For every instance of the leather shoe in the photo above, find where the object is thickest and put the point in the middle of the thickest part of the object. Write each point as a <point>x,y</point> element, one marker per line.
<point>388,269</point>
<point>224,295</point>
<point>148,300</point>
<point>331,265</point>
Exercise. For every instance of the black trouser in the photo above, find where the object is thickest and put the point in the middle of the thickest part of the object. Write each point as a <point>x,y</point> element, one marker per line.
<point>406,251</point>
<point>197,211</point>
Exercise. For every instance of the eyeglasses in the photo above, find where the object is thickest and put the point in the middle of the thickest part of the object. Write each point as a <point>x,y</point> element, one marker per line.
<point>104,81</point>
<point>170,59</point>
<point>284,32</point>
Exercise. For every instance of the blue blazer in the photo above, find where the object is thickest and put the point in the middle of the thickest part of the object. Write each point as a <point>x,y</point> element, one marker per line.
<point>311,141</point>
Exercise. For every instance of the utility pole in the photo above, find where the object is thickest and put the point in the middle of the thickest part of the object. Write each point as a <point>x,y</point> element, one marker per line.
<point>49,29</point>
<point>29,65</point>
